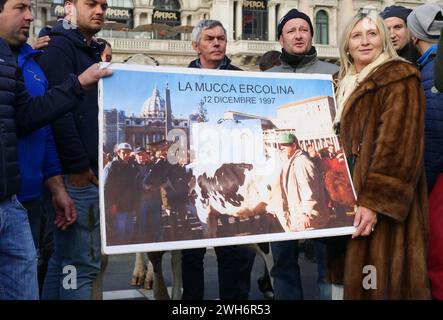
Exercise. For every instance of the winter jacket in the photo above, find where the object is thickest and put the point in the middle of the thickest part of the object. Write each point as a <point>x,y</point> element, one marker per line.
<point>19,113</point>
<point>433,118</point>
<point>120,185</point>
<point>37,154</point>
<point>76,133</point>
<point>438,72</point>
<point>309,64</point>
<point>226,65</point>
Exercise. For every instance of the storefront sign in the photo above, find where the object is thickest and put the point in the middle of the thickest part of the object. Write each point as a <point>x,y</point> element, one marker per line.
<point>163,15</point>
<point>57,10</point>
<point>255,4</point>
<point>119,13</point>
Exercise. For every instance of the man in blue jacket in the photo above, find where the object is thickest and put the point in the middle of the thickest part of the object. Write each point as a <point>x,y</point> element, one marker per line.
<point>19,114</point>
<point>438,70</point>
<point>37,154</point>
<point>72,49</point>
<point>425,23</point>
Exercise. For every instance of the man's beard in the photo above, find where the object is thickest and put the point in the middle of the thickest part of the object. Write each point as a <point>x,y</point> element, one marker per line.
<point>91,31</point>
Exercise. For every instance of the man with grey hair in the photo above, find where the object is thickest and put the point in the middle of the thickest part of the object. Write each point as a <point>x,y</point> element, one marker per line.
<point>234,262</point>
<point>209,41</point>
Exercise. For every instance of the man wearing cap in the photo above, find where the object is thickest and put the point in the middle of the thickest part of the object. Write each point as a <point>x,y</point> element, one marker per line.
<point>395,18</point>
<point>425,23</point>
<point>120,202</point>
<point>295,34</point>
<point>303,194</point>
<point>305,202</point>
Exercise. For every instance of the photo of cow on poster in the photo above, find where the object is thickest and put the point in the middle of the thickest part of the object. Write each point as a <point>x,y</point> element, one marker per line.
<point>196,158</point>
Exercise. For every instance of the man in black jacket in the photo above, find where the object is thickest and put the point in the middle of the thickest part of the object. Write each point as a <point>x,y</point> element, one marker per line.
<point>234,262</point>
<point>72,49</point>
<point>395,18</point>
<point>121,195</point>
<point>19,114</point>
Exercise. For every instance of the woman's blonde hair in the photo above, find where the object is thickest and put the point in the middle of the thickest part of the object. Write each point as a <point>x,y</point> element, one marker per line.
<point>345,57</point>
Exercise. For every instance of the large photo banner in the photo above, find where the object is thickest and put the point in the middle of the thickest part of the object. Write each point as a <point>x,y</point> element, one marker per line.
<point>197,158</point>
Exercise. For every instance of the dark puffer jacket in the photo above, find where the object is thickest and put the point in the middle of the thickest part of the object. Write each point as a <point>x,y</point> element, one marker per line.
<point>19,113</point>
<point>433,121</point>
<point>226,65</point>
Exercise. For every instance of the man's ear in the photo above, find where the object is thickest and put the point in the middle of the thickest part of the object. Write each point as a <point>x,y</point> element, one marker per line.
<point>414,41</point>
<point>195,47</point>
<point>68,7</point>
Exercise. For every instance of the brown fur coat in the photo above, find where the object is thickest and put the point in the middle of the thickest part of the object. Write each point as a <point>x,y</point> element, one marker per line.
<point>388,178</point>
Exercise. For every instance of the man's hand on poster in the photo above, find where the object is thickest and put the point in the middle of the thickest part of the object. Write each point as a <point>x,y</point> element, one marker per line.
<point>365,220</point>
<point>41,42</point>
<point>90,76</point>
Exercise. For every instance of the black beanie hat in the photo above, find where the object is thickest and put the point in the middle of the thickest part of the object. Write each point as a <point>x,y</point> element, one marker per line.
<point>396,11</point>
<point>293,14</point>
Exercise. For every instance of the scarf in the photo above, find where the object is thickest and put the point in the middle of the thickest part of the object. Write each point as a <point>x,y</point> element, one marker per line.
<point>352,80</point>
<point>294,60</point>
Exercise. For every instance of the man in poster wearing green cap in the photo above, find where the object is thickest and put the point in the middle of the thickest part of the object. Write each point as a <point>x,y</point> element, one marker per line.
<point>303,194</point>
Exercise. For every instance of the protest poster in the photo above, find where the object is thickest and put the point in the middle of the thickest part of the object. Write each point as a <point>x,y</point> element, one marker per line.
<point>197,158</point>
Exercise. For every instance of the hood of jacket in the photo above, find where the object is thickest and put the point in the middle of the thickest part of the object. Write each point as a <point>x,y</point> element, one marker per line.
<point>66,29</point>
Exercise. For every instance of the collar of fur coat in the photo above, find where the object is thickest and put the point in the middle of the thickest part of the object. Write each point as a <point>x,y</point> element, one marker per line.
<point>352,80</point>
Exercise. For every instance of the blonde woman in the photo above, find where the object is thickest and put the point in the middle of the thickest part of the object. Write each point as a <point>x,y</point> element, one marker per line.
<point>380,121</point>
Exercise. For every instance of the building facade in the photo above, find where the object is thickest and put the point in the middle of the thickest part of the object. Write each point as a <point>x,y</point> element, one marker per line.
<point>161,28</point>
<point>318,114</point>
<point>147,129</point>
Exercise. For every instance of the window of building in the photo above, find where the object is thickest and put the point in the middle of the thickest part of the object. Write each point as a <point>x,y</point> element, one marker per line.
<point>143,18</point>
<point>321,27</point>
<point>167,4</point>
<point>255,20</point>
<point>120,3</point>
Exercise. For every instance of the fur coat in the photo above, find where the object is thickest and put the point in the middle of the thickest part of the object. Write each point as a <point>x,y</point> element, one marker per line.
<point>389,178</point>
